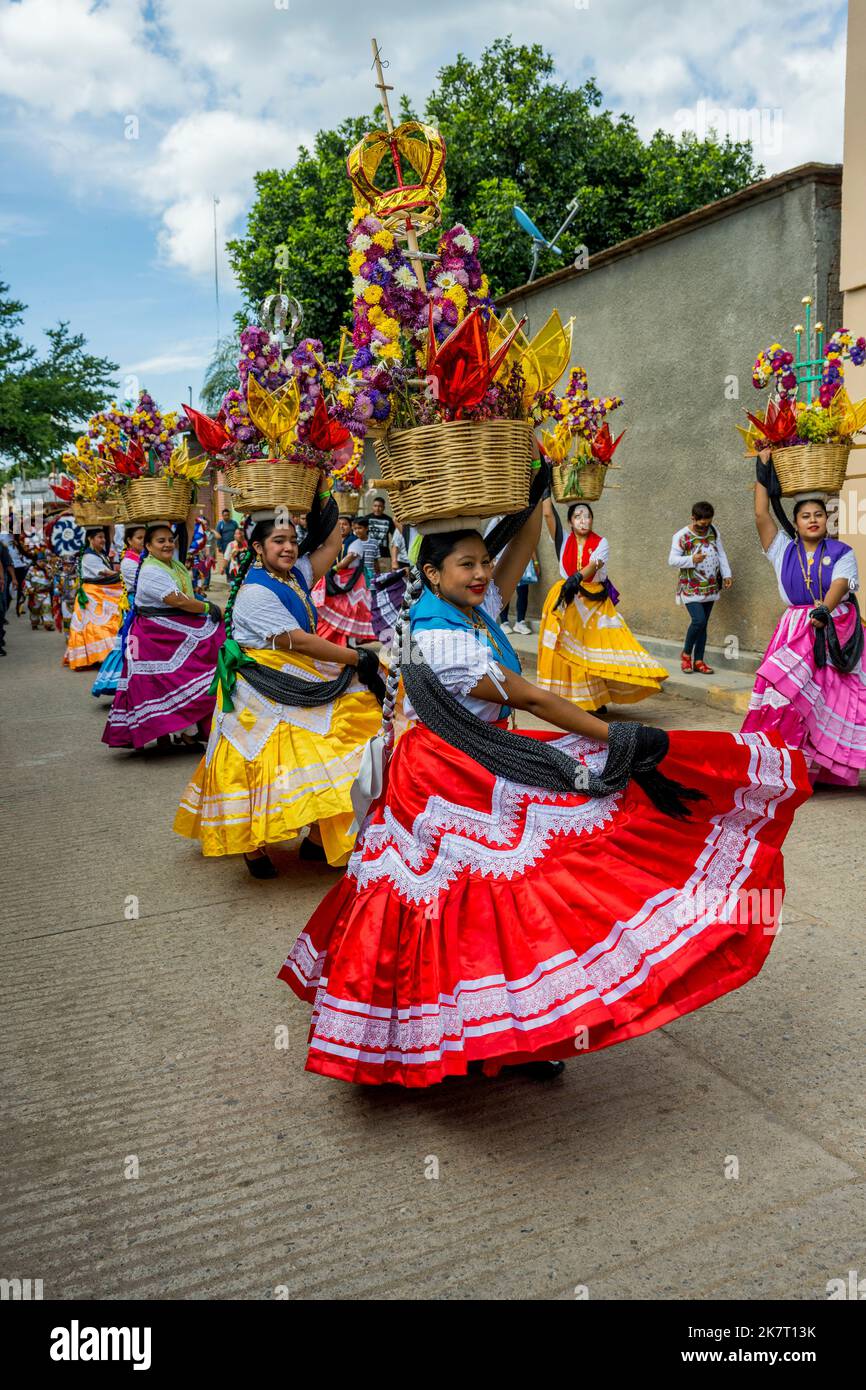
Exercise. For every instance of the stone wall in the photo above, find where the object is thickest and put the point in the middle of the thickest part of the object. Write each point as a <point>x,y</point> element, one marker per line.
<point>672,322</point>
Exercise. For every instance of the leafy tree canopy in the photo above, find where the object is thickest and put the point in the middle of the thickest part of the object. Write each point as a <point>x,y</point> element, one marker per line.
<point>45,400</point>
<point>514,135</point>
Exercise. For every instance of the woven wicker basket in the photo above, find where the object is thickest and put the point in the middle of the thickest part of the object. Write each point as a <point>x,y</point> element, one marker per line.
<point>438,471</point>
<point>116,498</point>
<point>591,477</point>
<point>264,483</point>
<point>157,499</point>
<point>804,467</point>
<point>94,513</point>
<point>349,503</point>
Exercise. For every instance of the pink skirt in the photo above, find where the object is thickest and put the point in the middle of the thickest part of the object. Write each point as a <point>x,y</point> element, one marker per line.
<point>820,711</point>
<point>163,687</point>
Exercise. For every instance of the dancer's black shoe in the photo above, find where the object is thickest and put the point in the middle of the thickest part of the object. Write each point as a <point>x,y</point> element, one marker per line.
<point>312,852</point>
<point>539,1071</point>
<point>262,866</point>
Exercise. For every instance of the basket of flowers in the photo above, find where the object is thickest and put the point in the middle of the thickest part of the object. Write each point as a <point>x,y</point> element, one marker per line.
<point>580,446</point>
<point>348,481</point>
<point>810,440</point>
<point>89,486</point>
<point>274,436</point>
<point>447,391</point>
<point>150,471</point>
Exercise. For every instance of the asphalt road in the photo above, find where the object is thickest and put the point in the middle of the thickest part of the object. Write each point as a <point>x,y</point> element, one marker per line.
<point>159,1142</point>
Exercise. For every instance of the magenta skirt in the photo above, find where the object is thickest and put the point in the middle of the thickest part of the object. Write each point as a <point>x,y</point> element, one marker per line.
<point>167,670</point>
<point>820,711</point>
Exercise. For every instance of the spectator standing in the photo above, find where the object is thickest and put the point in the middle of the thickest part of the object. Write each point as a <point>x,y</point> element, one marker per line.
<point>381,526</point>
<point>370,547</point>
<point>226,528</point>
<point>699,555</point>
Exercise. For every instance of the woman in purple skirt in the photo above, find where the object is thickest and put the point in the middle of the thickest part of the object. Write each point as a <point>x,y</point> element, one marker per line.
<point>170,657</point>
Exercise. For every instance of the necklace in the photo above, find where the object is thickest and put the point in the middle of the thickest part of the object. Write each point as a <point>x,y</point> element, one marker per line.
<point>807,572</point>
<point>296,589</point>
<point>481,626</point>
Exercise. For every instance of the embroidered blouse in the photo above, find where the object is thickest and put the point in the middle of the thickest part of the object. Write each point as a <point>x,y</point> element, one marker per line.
<point>258,614</point>
<point>156,581</point>
<point>92,567</point>
<point>844,568</point>
<point>461,659</point>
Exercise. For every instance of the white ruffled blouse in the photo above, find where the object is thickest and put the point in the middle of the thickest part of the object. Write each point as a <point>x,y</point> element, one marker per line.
<point>461,659</point>
<point>258,617</point>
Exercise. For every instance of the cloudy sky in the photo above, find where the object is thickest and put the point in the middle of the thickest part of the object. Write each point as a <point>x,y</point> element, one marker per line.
<point>121,119</point>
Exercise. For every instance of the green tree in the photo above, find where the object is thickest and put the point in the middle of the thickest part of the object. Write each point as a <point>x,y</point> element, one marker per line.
<point>296,233</point>
<point>514,135</point>
<point>45,400</point>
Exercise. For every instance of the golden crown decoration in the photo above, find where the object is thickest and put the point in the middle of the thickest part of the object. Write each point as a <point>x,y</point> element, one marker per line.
<point>405,205</point>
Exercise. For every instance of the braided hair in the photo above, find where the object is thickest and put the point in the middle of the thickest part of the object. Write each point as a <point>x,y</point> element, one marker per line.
<point>244,567</point>
<point>412,592</point>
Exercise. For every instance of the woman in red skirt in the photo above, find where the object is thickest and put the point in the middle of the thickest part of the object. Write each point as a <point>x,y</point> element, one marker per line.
<point>516,898</point>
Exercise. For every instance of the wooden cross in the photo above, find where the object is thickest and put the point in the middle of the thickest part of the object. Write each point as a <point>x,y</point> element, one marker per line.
<point>414,252</point>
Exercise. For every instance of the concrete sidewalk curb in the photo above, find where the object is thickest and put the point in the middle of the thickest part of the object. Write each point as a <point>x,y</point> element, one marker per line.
<point>727,690</point>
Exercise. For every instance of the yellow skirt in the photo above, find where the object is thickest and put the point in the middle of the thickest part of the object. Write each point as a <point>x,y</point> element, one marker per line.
<point>587,654</point>
<point>271,769</point>
<point>93,628</point>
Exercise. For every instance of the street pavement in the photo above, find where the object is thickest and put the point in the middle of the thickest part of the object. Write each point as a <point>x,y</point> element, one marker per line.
<point>161,1138</point>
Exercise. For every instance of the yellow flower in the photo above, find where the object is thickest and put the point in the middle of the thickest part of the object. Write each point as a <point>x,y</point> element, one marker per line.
<point>373,293</point>
<point>484,287</point>
<point>356,260</point>
<point>390,350</point>
<point>384,238</point>
<point>390,327</point>
<point>344,398</point>
<point>457,295</point>
<point>376,315</point>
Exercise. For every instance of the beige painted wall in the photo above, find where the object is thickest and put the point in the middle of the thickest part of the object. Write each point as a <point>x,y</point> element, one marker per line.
<point>674,327</point>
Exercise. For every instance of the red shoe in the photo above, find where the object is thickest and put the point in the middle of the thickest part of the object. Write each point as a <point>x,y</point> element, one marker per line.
<point>685,661</point>
<point>703,669</point>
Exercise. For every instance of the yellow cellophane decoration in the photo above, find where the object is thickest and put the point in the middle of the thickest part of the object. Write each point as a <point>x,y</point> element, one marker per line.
<point>558,442</point>
<point>752,438</point>
<point>407,204</point>
<point>275,414</point>
<point>88,469</point>
<point>852,415</point>
<point>542,359</point>
<point>181,465</point>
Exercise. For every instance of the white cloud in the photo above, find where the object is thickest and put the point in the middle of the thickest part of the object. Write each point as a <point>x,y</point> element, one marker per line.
<point>221,90</point>
<point>167,362</point>
<point>72,57</point>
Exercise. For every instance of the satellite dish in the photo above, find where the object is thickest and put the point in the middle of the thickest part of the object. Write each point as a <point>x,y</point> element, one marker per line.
<point>525,221</point>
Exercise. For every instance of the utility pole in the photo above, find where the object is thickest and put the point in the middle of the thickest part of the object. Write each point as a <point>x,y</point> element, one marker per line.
<point>216,273</point>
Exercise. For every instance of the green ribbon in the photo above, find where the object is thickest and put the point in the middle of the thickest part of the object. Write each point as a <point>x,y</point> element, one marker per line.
<point>229,661</point>
<point>81,595</point>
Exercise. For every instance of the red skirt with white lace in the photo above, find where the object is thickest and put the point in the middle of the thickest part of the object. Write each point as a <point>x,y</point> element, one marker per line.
<point>344,617</point>
<point>483,920</point>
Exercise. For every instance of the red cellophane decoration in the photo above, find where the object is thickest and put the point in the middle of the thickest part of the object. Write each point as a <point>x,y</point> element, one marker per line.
<point>130,464</point>
<point>210,434</point>
<point>326,434</point>
<point>779,423</point>
<point>462,366</point>
<point>65,491</point>
<point>602,446</point>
